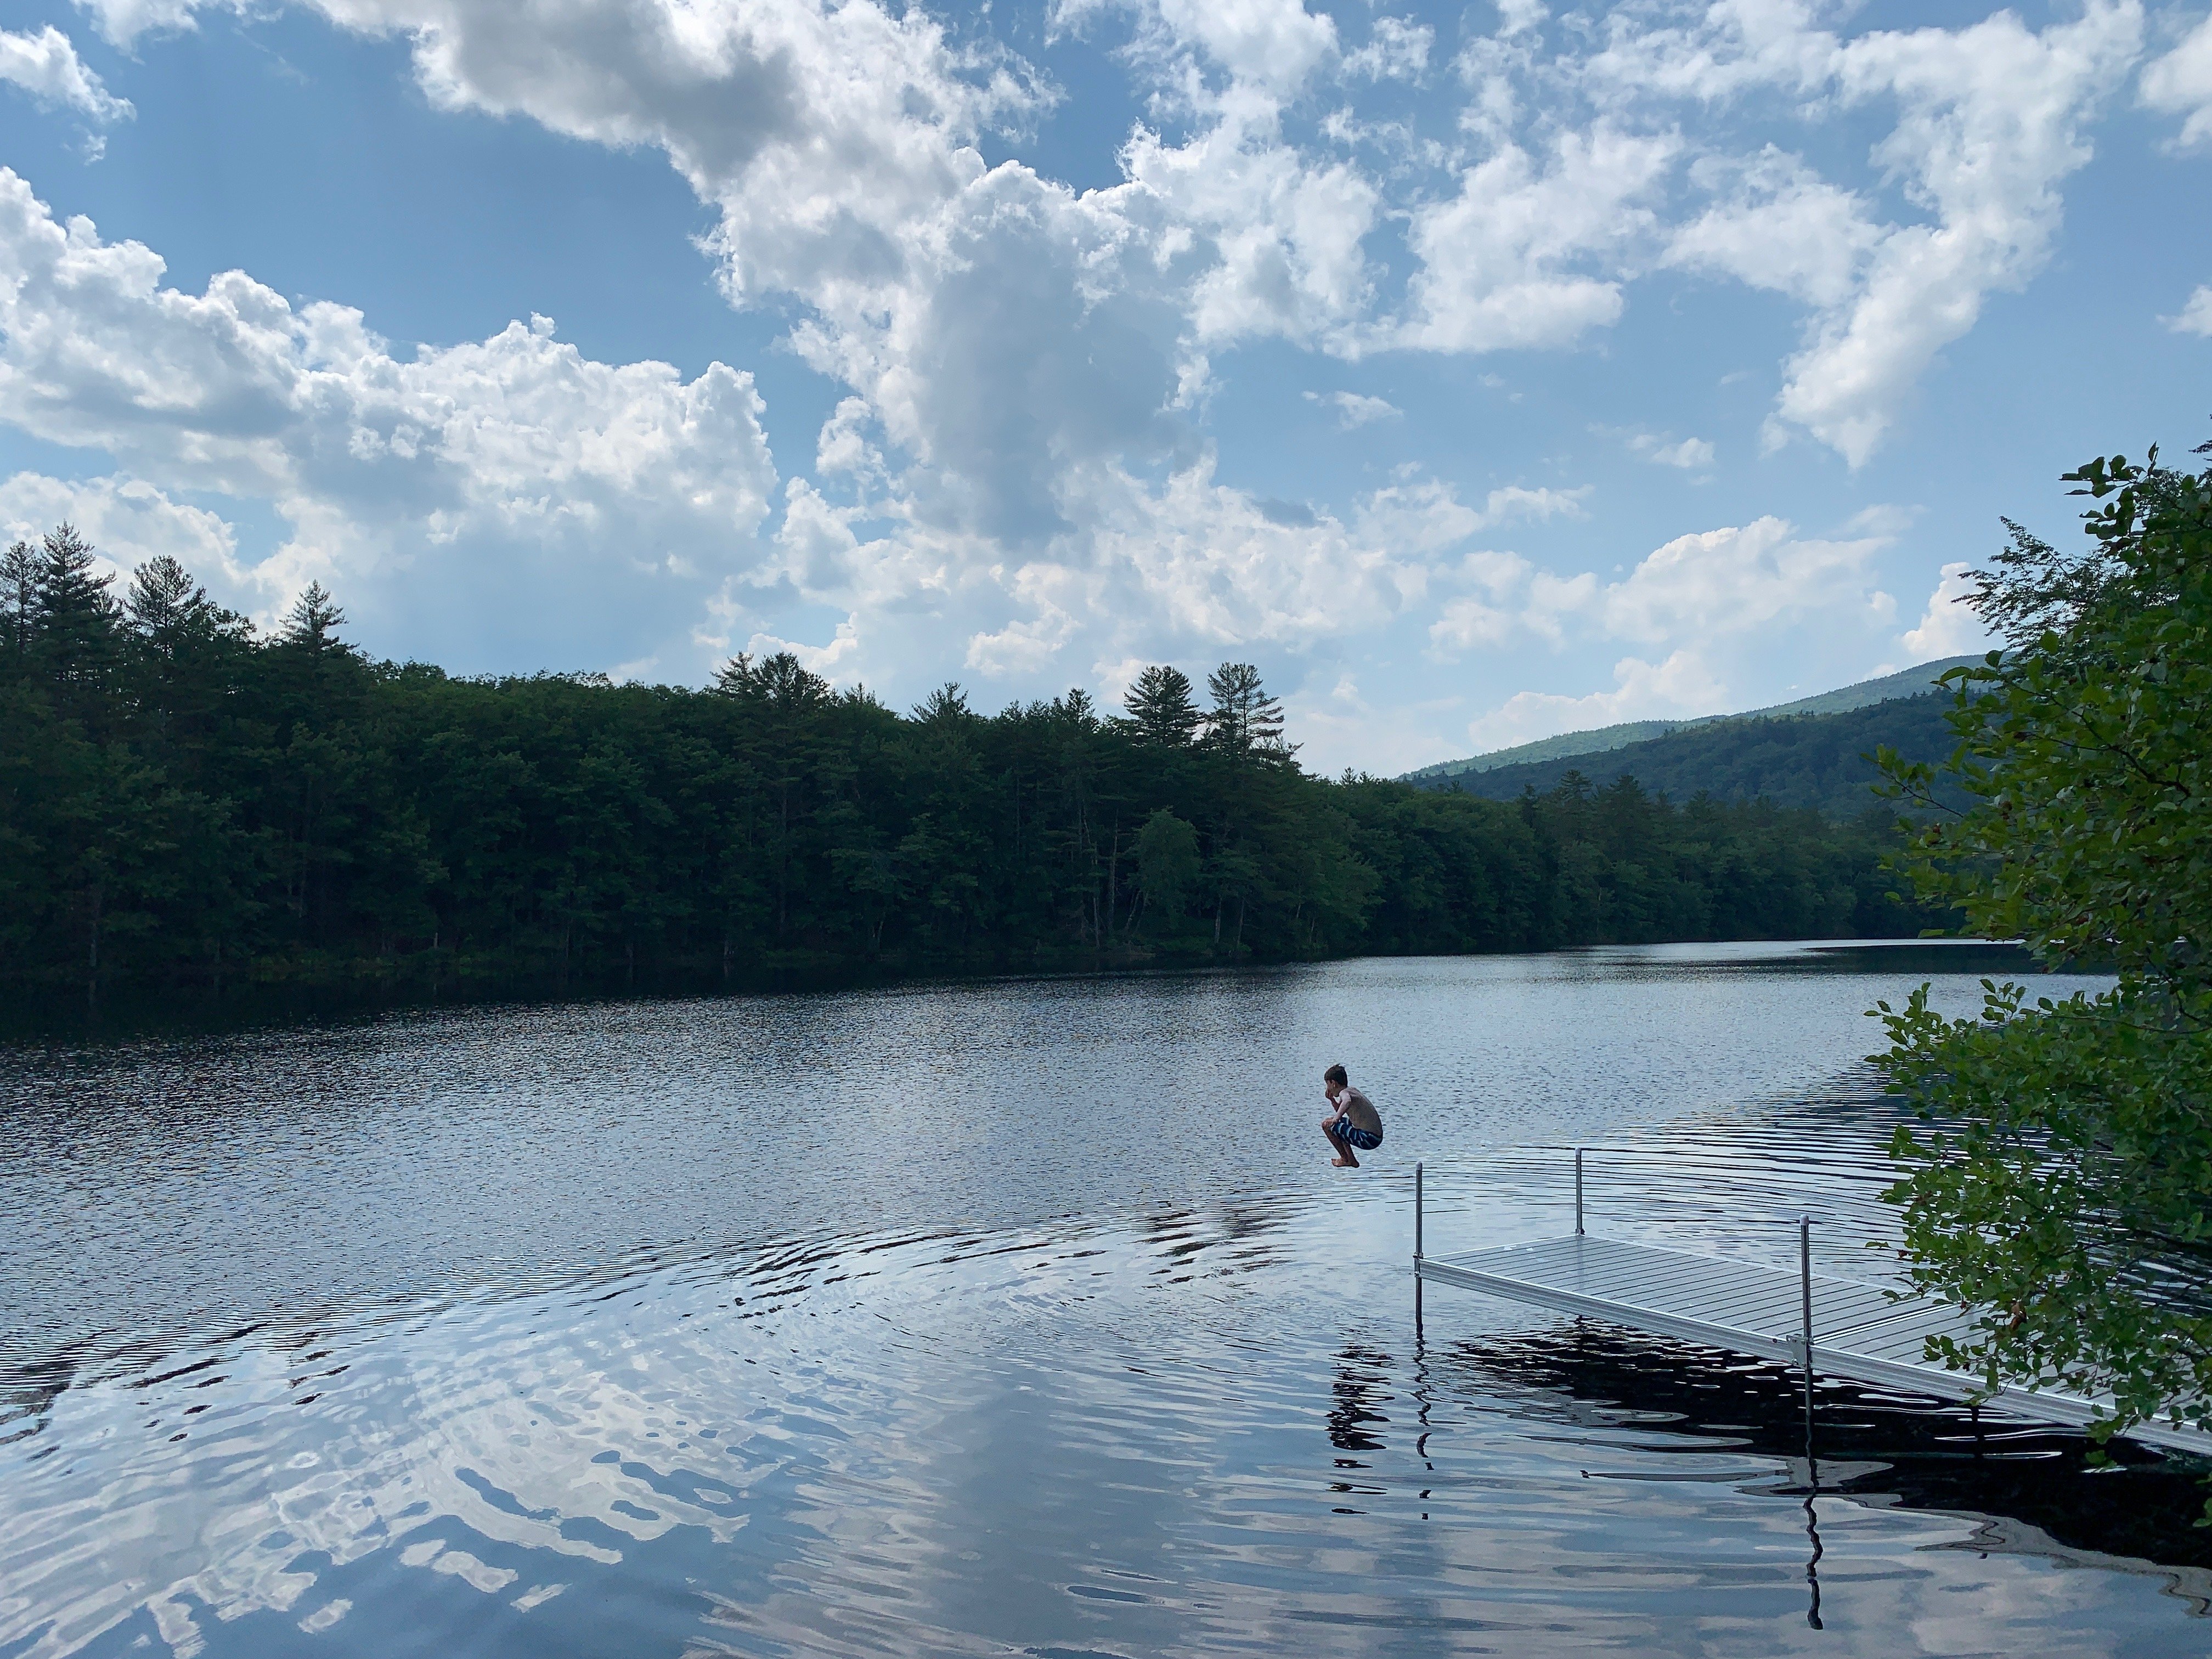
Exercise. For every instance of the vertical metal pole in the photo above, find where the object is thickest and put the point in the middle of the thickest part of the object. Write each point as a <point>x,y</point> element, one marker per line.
<point>1417,1206</point>
<point>1578,1192</point>
<point>1417,1213</point>
<point>1805,1280</point>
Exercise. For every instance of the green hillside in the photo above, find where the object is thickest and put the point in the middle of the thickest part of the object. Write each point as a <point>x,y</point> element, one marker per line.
<point>1593,742</point>
<point>1792,760</point>
<point>1603,739</point>
<point>1911,681</point>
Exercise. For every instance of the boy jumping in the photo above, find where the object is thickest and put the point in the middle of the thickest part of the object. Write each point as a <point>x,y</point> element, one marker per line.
<point>1352,1120</point>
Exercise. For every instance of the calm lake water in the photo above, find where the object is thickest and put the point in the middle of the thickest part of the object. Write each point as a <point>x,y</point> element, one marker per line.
<point>1023,1317</point>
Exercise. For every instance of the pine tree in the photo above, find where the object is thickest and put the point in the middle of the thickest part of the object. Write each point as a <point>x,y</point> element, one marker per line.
<point>782,682</point>
<point>78,623</point>
<point>1162,709</point>
<point>187,654</point>
<point>161,598</point>
<point>313,623</point>
<point>1245,719</point>
<point>19,604</point>
<point>789,704</point>
<point>172,615</point>
<point>1168,864</point>
<point>947,705</point>
<point>1077,709</point>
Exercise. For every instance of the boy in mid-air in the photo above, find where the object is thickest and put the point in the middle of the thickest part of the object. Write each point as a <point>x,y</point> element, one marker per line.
<point>1352,1120</point>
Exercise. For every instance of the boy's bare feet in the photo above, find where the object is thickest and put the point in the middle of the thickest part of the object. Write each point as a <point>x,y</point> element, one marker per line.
<point>1345,1163</point>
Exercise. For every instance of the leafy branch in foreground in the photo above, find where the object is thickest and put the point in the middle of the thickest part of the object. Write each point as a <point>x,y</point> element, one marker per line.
<point>2061,1178</point>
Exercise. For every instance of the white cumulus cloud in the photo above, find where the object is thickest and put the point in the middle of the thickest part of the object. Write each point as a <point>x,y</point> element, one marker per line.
<point>1707,587</point>
<point>1467,622</point>
<point>1353,409</point>
<point>1715,582</point>
<point>1689,454</point>
<point>839,146</point>
<point>2180,84</point>
<point>2196,315</point>
<point>1779,225</point>
<point>127,521</point>
<point>1950,626</point>
<point>1680,687</point>
<point>1211,564</point>
<point>1397,49</point>
<point>46,65</point>
<point>1016,351</point>
<point>1016,471</point>
<point>1270,46</point>
<point>1286,232</point>
<point>1991,118</point>
<point>1520,257</point>
<point>510,497</point>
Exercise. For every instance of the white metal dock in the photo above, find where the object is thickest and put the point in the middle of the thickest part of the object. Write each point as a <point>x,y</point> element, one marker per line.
<point>1821,1324</point>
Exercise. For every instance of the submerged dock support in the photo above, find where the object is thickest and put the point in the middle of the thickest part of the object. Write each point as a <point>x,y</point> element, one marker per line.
<point>1417,1249</point>
<point>1805,1283</point>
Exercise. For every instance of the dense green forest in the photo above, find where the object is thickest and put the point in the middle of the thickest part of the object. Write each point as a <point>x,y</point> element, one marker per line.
<point>1824,762</point>
<point>188,808</point>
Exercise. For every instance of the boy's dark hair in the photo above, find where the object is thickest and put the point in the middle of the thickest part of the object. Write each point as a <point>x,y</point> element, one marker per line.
<point>1335,1075</point>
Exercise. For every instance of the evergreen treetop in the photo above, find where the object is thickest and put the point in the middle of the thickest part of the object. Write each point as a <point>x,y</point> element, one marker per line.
<point>311,625</point>
<point>1161,708</point>
<point>1245,719</point>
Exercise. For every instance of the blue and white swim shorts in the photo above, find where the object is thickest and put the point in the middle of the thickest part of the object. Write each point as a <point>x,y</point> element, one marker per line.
<point>1351,1134</point>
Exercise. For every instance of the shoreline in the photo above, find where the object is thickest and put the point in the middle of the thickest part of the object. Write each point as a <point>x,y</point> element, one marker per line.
<point>158,1012</point>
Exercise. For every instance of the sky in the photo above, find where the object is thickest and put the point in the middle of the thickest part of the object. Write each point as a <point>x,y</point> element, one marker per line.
<point>1481,373</point>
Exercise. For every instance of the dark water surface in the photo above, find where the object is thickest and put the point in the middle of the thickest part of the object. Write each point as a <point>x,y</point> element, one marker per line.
<point>1014,1318</point>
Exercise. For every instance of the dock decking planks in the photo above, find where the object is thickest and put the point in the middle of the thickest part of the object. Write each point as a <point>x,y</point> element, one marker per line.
<point>1859,1331</point>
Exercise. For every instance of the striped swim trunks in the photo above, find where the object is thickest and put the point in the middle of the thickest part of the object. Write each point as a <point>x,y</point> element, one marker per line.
<point>1352,1134</point>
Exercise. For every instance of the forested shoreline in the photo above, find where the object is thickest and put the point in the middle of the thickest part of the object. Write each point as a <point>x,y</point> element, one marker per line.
<point>188,809</point>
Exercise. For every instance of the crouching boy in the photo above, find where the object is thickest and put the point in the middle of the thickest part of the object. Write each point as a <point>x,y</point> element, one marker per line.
<point>1353,1125</point>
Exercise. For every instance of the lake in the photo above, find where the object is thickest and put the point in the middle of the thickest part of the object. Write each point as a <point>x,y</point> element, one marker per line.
<point>1014,1317</point>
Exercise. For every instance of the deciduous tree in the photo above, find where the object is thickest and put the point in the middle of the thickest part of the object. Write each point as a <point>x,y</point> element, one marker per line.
<point>2061,1183</point>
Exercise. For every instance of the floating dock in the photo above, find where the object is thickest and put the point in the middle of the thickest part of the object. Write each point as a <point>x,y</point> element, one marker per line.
<point>1819,1324</point>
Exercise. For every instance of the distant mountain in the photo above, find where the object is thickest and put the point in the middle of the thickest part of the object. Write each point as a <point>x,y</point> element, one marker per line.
<point>1906,682</point>
<point>1794,760</point>
<point>1594,742</point>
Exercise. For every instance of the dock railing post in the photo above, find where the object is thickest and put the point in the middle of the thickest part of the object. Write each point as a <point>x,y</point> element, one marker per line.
<point>1578,1192</point>
<point>1416,1215</point>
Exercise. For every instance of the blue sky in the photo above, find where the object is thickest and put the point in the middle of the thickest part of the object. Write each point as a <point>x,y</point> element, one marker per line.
<point>1480,373</point>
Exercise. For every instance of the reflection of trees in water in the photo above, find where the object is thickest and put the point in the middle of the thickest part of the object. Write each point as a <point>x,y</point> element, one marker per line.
<point>2033,1487</point>
<point>1358,1392</point>
<point>1246,1236</point>
<point>1361,1384</point>
<point>27,1393</point>
<point>1249,1219</point>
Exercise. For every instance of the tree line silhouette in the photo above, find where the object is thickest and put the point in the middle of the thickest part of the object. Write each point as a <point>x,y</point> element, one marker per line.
<point>189,807</point>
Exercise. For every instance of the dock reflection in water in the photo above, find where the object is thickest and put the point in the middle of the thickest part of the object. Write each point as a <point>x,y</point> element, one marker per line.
<point>1199,1421</point>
